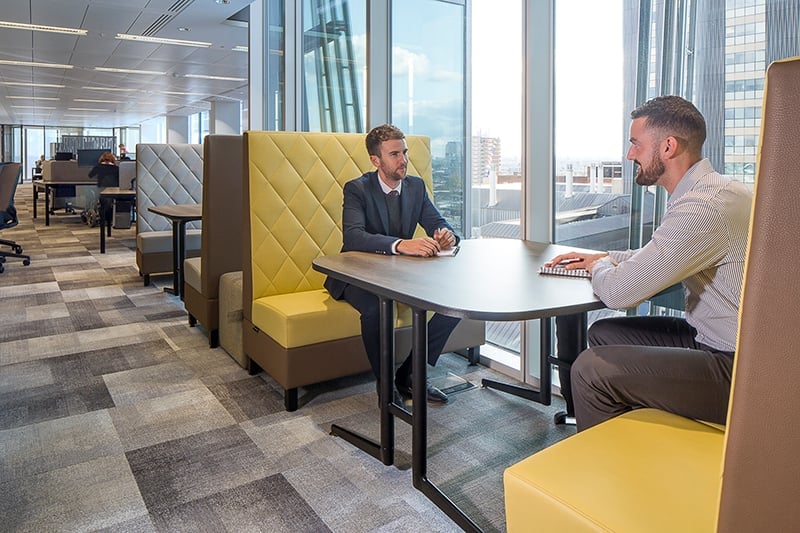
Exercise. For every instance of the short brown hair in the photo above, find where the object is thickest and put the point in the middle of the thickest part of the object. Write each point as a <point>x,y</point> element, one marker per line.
<point>674,116</point>
<point>379,134</point>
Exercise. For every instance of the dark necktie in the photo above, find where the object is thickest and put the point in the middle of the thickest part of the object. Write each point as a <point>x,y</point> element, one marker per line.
<point>393,206</point>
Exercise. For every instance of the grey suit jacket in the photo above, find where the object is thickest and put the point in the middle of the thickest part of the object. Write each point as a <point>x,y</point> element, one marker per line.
<point>365,218</point>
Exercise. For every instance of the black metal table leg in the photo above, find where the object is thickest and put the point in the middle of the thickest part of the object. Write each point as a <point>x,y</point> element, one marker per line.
<point>383,450</point>
<point>543,395</point>
<point>419,442</point>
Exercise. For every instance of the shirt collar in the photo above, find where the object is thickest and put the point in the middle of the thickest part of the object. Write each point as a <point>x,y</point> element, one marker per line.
<point>692,176</point>
<point>386,189</point>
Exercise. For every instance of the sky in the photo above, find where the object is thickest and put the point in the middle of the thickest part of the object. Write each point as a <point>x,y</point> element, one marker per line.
<point>588,70</point>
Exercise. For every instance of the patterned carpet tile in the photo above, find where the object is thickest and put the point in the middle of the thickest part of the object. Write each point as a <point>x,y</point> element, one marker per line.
<point>166,418</point>
<point>89,496</point>
<point>270,505</point>
<point>37,448</point>
<point>183,470</point>
<point>248,398</point>
<point>49,402</point>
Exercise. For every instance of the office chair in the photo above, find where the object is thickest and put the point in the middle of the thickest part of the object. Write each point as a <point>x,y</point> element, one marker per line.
<point>9,173</point>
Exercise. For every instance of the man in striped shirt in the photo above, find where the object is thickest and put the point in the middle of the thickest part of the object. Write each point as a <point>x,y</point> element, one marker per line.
<point>679,365</point>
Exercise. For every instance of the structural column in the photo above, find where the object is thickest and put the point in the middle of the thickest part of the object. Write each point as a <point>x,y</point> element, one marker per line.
<point>225,118</point>
<point>177,129</point>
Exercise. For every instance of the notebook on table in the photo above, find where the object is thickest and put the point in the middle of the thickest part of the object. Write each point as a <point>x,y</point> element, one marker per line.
<point>561,271</point>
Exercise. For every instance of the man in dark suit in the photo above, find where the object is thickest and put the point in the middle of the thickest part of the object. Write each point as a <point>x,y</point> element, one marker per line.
<point>381,212</point>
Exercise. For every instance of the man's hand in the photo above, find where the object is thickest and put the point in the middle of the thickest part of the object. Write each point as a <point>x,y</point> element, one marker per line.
<point>575,260</point>
<point>422,247</point>
<point>445,238</point>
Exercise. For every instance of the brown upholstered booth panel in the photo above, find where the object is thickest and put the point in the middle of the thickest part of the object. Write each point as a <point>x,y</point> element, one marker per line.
<point>221,240</point>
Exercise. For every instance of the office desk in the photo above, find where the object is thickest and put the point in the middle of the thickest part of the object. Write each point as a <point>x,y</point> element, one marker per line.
<point>180,215</point>
<point>489,279</point>
<point>49,185</point>
<point>115,193</point>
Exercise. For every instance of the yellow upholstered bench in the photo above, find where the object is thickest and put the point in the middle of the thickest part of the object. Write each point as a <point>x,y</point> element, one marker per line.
<point>292,328</point>
<point>652,471</point>
<point>646,470</point>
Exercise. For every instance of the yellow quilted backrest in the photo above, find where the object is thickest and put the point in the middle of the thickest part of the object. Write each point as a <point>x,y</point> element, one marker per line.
<point>295,181</point>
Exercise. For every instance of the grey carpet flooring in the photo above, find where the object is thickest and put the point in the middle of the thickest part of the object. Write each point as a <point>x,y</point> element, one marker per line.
<point>116,416</point>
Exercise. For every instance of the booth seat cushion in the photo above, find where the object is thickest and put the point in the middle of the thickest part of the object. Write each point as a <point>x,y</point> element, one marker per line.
<point>646,470</point>
<point>191,273</point>
<point>150,242</point>
<point>309,317</point>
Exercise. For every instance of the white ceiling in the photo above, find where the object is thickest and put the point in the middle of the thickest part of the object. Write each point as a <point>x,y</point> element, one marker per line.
<point>207,21</point>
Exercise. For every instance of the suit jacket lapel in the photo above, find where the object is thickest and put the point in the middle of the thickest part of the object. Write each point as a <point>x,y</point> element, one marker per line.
<point>380,201</point>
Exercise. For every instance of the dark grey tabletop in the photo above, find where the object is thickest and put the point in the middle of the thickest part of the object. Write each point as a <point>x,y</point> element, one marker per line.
<point>489,279</point>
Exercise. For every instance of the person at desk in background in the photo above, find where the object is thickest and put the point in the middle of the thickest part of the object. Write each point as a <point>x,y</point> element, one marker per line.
<point>123,153</point>
<point>380,214</point>
<point>39,163</point>
<point>680,365</point>
<point>107,173</point>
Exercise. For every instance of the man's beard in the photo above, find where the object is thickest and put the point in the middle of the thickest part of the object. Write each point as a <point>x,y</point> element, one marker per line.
<point>651,175</point>
<point>397,175</point>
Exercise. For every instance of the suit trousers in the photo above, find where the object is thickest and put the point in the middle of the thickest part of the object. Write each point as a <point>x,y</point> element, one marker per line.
<point>439,329</point>
<point>635,362</point>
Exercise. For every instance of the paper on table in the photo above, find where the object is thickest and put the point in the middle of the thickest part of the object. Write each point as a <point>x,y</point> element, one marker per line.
<point>449,252</point>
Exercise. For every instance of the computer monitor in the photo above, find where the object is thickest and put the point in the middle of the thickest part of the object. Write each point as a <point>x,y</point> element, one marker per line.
<point>89,157</point>
<point>63,156</point>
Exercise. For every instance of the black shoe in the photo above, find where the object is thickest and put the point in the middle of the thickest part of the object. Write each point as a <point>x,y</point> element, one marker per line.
<point>403,385</point>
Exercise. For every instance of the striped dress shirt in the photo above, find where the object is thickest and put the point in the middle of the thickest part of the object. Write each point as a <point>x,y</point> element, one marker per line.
<point>701,242</point>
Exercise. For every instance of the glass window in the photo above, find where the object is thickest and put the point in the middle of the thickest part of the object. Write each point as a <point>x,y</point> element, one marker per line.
<point>428,91</point>
<point>496,179</point>
<point>334,65</point>
<point>592,203</point>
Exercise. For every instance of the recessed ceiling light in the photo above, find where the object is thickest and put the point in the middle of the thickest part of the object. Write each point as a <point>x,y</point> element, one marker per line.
<point>30,107</point>
<point>119,89</point>
<point>181,93</point>
<point>32,98</point>
<point>33,64</point>
<point>129,71</point>
<point>160,40</point>
<point>85,109</point>
<point>223,2</point>
<point>29,84</point>
<point>240,48</point>
<point>184,28</point>
<point>207,77</point>
<point>40,27</point>
<point>97,101</point>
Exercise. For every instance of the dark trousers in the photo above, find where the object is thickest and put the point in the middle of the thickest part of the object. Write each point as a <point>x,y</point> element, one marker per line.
<point>366,303</point>
<point>635,362</point>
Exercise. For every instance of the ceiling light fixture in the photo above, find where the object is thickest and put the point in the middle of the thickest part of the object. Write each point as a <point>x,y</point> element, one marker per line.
<point>97,101</point>
<point>129,71</point>
<point>207,77</point>
<point>85,109</point>
<point>32,64</point>
<point>29,84</point>
<point>160,40</point>
<point>33,98</point>
<point>30,107</point>
<point>181,93</point>
<point>240,48</point>
<point>40,27</point>
<point>119,89</point>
